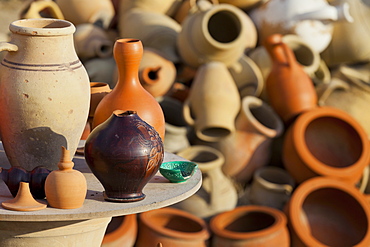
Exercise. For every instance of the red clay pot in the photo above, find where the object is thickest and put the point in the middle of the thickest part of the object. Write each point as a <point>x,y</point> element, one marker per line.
<point>121,232</point>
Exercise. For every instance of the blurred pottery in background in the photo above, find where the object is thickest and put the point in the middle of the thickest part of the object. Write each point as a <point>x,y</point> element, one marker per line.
<point>102,70</point>
<point>121,231</point>
<point>35,8</point>
<point>166,7</point>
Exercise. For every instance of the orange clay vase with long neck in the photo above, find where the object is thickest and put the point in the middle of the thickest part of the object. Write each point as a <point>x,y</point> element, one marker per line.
<point>129,94</point>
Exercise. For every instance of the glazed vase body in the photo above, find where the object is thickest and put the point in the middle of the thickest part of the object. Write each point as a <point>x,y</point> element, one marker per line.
<point>213,102</point>
<point>44,93</point>
<point>129,94</point>
<point>326,142</point>
<point>287,80</point>
<point>124,153</point>
<point>250,225</point>
<point>171,227</point>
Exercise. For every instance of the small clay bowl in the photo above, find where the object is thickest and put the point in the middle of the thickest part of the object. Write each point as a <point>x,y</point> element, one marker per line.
<point>178,171</point>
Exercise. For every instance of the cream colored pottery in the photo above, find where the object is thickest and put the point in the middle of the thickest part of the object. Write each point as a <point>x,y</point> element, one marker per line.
<point>215,32</point>
<point>92,41</point>
<point>312,20</point>
<point>155,30</point>
<point>175,138</point>
<point>271,186</point>
<point>100,12</point>
<point>45,93</point>
<point>35,7</point>
<point>213,102</point>
<point>247,76</point>
<point>350,39</point>
<point>249,147</point>
<point>244,4</point>
<point>102,70</point>
<point>217,193</point>
<point>156,73</point>
<point>167,7</point>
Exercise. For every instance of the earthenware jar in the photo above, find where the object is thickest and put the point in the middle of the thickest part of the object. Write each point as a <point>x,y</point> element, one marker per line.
<point>250,225</point>
<point>99,12</point>
<point>121,231</point>
<point>167,7</point>
<point>249,147</point>
<point>35,8</point>
<point>287,78</point>
<point>217,193</point>
<point>65,188</point>
<point>215,32</point>
<point>124,174</point>
<point>326,141</point>
<point>176,138</point>
<point>98,91</point>
<point>171,227</point>
<point>155,30</point>
<point>156,73</point>
<point>129,94</point>
<point>209,109</point>
<point>45,93</point>
<point>271,187</point>
<point>325,211</point>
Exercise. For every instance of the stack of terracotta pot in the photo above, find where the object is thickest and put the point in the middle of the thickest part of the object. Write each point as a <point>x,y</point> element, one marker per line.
<point>269,99</point>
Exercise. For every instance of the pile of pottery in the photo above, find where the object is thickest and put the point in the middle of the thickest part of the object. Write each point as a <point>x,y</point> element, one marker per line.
<point>268,97</point>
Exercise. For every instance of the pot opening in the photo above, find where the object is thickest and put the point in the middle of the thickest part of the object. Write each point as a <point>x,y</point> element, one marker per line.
<point>215,132</point>
<point>224,26</point>
<point>334,217</point>
<point>251,222</point>
<point>204,157</point>
<point>303,54</point>
<point>177,223</point>
<point>265,116</point>
<point>333,141</point>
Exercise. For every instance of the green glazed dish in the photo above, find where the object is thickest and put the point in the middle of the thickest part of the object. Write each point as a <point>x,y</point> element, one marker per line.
<point>178,171</point>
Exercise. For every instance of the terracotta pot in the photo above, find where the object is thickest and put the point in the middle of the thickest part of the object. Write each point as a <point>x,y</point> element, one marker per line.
<point>129,94</point>
<point>208,108</point>
<point>327,212</point>
<point>219,32</point>
<point>217,193</point>
<point>171,227</point>
<point>124,174</point>
<point>45,93</point>
<point>121,232</point>
<point>250,225</point>
<point>287,79</point>
<point>326,142</point>
<point>98,91</point>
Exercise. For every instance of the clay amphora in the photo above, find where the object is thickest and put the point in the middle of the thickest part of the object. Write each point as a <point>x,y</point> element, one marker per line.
<point>129,94</point>
<point>325,211</point>
<point>65,188</point>
<point>215,32</point>
<point>249,147</point>
<point>271,187</point>
<point>217,193</point>
<point>250,225</point>
<point>155,30</point>
<point>350,39</point>
<point>124,174</point>
<point>45,93</point>
<point>326,141</point>
<point>121,231</point>
<point>213,102</point>
<point>156,73</point>
<point>100,12</point>
<point>171,227</point>
<point>287,80</point>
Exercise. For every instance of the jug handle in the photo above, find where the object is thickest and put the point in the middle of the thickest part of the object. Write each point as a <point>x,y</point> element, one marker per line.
<point>187,113</point>
<point>201,5</point>
<point>37,6</point>
<point>324,90</point>
<point>6,46</point>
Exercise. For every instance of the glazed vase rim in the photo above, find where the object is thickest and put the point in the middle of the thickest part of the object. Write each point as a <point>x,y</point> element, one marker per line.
<point>42,27</point>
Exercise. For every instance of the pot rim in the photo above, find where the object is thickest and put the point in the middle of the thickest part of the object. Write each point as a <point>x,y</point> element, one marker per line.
<point>217,227</point>
<point>42,27</point>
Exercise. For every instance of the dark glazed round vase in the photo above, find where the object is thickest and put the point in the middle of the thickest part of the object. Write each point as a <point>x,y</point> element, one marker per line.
<point>124,153</point>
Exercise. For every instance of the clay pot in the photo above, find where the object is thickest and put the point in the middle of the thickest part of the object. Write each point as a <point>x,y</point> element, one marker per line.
<point>326,141</point>
<point>155,30</point>
<point>215,32</point>
<point>209,109</point>
<point>65,188</point>
<point>102,70</point>
<point>156,73</point>
<point>99,12</point>
<point>287,79</point>
<point>250,225</point>
<point>167,7</point>
<point>35,8</point>
<point>45,93</point>
<point>171,227</point>
<point>327,212</point>
<point>121,231</point>
<point>176,138</point>
<point>129,94</point>
<point>124,174</point>
<point>98,91</point>
<point>217,193</point>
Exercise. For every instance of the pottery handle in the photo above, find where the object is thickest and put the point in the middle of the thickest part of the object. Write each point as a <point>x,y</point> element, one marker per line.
<point>201,5</point>
<point>37,6</point>
<point>324,90</point>
<point>187,113</point>
<point>288,189</point>
<point>6,46</point>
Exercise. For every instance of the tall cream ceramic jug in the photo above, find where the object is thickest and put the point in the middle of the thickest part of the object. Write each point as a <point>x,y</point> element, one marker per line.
<point>44,93</point>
